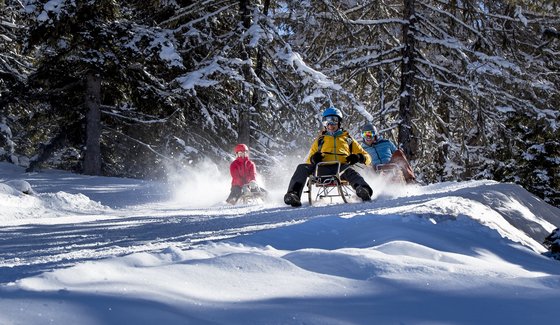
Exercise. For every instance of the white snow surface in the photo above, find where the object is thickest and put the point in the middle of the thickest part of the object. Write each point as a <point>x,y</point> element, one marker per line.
<point>99,250</point>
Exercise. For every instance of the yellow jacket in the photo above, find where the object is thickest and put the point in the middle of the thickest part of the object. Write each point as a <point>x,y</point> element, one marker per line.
<point>337,147</point>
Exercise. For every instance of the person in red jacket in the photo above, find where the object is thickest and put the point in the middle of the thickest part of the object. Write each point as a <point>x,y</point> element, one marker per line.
<point>243,173</point>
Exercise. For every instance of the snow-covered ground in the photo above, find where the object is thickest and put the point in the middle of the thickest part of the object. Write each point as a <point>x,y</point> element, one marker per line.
<point>97,250</point>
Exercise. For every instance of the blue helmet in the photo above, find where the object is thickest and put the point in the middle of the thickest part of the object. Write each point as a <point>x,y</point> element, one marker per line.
<point>332,111</point>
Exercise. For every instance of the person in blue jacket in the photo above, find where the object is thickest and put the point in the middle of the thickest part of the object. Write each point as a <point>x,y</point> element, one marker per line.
<point>383,151</point>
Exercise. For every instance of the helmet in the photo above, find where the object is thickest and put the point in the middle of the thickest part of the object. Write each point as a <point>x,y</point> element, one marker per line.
<point>332,111</point>
<point>241,147</point>
<point>369,127</point>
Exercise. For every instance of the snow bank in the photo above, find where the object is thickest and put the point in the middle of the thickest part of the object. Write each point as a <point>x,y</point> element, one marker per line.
<point>20,202</point>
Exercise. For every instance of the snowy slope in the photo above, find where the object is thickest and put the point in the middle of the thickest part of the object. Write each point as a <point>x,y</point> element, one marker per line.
<point>98,250</point>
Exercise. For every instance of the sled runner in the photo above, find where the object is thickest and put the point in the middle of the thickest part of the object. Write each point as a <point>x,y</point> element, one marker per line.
<point>328,186</point>
<point>390,172</point>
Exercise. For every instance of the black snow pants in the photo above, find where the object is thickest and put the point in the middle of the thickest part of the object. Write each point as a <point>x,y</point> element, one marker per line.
<point>299,179</point>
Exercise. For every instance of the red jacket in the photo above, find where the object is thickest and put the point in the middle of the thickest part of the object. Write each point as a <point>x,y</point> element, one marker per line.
<point>242,171</point>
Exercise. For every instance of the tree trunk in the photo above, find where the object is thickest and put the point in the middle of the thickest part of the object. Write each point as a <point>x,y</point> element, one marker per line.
<point>244,124</point>
<point>407,88</point>
<point>259,64</point>
<point>245,13</point>
<point>443,136</point>
<point>256,95</point>
<point>92,156</point>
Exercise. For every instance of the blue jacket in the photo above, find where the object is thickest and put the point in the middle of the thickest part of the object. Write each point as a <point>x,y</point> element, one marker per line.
<point>380,151</point>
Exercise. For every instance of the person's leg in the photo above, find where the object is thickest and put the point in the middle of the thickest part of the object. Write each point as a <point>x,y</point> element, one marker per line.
<point>297,182</point>
<point>234,195</point>
<point>358,183</point>
<point>299,178</point>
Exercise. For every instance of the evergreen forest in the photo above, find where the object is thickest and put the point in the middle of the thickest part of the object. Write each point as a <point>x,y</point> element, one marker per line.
<point>469,89</point>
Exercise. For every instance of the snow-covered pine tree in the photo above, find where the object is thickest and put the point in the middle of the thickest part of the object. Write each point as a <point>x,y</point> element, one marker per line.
<point>477,65</point>
<point>181,75</point>
<point>241,60</point>
<point>92,55</point>
<point>14,68</point>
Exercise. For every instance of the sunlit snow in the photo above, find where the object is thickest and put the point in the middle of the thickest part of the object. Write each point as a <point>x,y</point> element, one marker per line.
<point>100,250</point>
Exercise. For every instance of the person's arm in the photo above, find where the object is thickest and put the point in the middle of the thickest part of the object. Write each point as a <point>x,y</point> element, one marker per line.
<point>312,151</point>
<point>232,169</point>
<point>251,172</point>
<point>392,146</point>
<point>358,149</point>
<point>235,177</point>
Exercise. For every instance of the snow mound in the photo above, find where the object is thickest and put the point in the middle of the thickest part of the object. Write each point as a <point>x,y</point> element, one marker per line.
<point>21,185</point>
<point>18,206</point>
<point>71,202</point>
<point>6,189</point>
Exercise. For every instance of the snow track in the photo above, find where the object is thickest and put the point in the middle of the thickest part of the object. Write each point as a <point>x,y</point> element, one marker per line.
<point>34,248</point>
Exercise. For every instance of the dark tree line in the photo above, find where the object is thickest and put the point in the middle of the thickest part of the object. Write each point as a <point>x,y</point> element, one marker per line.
<point>467,88</point>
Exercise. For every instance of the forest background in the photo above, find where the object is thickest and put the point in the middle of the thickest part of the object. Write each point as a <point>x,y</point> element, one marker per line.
<point>468,88</point>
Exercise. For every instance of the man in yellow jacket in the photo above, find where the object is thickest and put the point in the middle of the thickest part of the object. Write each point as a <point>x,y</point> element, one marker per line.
<point>334,144</point>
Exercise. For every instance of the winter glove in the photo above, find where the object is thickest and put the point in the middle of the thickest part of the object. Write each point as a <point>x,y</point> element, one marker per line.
<point>316,158</point>
<point>355,158</point>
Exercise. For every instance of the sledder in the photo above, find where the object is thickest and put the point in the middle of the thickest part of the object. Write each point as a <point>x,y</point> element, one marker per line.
<point>243,178</point>
<point>387,160</point>
<point>334,144</point>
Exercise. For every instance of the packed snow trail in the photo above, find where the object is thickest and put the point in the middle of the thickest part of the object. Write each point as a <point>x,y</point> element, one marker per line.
<point>29,249</point>
<point>34,248</point>
<point>55,228</point>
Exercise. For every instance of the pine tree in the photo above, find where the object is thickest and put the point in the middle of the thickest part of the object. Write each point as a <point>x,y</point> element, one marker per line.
<point>102,77</point>
<point>14,68</point>
<point>467,88</point>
